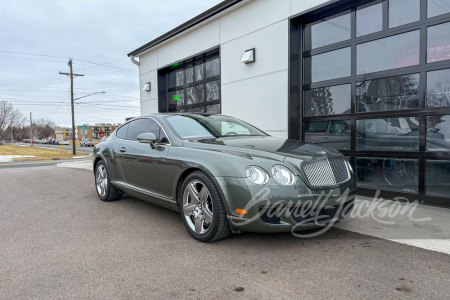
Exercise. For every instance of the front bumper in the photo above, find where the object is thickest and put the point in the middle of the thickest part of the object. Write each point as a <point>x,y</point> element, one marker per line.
<point>275,208</point>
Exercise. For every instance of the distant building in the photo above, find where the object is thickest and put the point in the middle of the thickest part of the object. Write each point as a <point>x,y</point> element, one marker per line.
<point>97,131</point>
<point>60,131</point>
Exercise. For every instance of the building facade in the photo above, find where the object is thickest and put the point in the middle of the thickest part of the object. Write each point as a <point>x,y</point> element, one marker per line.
<point>97,131</point>
<point>63,133</point>
<point>369,78</point>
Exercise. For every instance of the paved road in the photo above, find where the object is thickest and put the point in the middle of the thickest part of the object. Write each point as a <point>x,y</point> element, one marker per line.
<point>58,240</point>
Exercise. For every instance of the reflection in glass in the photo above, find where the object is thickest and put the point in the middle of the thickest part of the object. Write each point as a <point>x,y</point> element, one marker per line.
<point>194,94</point>
<point>176,78</point>
<point>393,52</point>
<point>329,65</point>
<point>438,7</point>
<point>213,109</point>
<point>438,43</point>
<point>176,98</point>
<point>335,134</point>
<point>213,90</point>
<point>388,174</point>
<point>403,12</point>
<point>199,72</point>
<point>212,68</point>
<point>189,75</point>
<point>438,133</point>
<point>328,100</point>
<point>327,31</point>
<point>438,88</point>
<point>388,134</point>
<point>196,109</point>
<point>438,178</point>
<point>369,18</point>
<point>392,93</point>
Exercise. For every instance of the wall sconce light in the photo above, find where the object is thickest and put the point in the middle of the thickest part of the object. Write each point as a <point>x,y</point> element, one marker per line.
<point>249,56</point>
<point>147,87</point>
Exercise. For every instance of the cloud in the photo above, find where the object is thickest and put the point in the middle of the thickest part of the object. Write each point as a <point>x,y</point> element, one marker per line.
<point>88,31</point>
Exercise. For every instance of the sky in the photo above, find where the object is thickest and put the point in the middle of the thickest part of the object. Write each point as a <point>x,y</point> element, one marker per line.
<point>97,35</point>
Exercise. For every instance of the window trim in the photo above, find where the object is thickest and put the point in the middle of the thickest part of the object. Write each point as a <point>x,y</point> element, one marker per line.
<point>163,81</point>
<point>138,118</point>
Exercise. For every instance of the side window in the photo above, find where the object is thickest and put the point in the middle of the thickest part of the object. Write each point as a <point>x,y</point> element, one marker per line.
<point>141,126</point>
<point>162,136</point>
<point>122,132</point>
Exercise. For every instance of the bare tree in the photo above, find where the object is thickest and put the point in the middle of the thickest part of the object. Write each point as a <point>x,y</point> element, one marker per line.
<point>9,118</point>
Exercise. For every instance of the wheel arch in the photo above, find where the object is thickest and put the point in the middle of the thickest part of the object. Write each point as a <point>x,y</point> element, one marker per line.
<point>97,160</point>
<point>186,173</point>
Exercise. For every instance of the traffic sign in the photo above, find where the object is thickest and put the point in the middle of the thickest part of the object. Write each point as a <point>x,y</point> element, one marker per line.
<point>84,127</point>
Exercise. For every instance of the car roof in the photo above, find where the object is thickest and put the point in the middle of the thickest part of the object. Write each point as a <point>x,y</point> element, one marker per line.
<point>176,114</point>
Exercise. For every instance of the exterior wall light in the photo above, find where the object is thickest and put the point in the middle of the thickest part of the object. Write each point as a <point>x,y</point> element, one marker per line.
<point>147,87</point>
<point>249,56</point>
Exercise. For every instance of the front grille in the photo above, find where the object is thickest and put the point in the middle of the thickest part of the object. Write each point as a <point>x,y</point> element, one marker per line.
<point>326,214</point>
<point>326,172</point>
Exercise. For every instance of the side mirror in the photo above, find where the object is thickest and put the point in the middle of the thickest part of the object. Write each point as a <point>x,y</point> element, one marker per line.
<point>148,138</point>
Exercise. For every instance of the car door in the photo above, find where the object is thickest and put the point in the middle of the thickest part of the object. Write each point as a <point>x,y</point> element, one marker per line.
<point>142,166</point>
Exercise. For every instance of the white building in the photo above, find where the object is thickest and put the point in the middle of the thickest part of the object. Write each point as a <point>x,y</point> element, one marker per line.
<point>366,77</point>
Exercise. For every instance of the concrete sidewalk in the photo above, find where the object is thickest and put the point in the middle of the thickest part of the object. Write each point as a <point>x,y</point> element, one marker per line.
<point>421,226</point>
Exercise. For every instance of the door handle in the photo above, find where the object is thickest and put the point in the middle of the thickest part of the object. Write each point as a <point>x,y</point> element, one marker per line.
<point>123,149</point>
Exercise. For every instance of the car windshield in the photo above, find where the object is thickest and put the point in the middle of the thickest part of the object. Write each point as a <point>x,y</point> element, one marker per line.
<point>203,126</point>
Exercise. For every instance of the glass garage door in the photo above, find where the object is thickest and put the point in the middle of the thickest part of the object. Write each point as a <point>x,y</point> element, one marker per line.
<point>376,85</point>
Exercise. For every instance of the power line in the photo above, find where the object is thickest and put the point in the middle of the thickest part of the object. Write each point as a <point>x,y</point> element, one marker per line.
<point>108,62</point>
<point>33,54</point>
<point>44,55</point>
<point>59,105</point>
<point>109,87</point>
<point>54,87</point>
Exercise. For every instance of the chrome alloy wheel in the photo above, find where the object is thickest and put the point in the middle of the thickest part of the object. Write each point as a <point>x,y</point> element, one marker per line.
<point>102,180</point>
<point>198,206</point>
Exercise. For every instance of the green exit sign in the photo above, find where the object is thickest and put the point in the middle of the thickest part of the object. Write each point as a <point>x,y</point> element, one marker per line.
<point>176,97</point>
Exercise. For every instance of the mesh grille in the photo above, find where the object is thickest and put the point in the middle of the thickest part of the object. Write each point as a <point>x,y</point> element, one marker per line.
<point>326,172</point>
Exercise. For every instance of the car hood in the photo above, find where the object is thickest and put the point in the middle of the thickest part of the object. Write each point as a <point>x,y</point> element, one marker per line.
<point>292,152</point>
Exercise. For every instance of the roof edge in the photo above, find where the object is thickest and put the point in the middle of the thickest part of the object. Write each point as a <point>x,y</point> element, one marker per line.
<point>186,25</point>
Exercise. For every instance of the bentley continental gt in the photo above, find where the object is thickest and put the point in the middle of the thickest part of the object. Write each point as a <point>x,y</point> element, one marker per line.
<point>224,175</point>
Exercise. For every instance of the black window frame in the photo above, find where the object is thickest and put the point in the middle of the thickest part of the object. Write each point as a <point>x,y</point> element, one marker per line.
<point>161,131</point>
<point>296,87</point>
<point>165,90</point>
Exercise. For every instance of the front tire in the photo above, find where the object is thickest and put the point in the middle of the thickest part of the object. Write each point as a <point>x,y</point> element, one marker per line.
<point>105,190</point>
<point>202,208</point>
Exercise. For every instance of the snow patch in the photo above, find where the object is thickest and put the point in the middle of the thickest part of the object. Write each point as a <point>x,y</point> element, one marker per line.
<point>5,158</point>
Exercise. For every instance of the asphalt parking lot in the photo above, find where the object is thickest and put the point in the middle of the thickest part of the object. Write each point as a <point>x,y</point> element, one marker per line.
<point>58,240</point>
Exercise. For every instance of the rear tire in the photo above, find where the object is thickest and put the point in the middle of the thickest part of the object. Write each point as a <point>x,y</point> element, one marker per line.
<point>105,190</point>
<point>202,209</point>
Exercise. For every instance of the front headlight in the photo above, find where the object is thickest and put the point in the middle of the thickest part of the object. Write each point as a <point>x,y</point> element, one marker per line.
<point>283,175</point>
<point>257,175</point>
<point>349,166</point>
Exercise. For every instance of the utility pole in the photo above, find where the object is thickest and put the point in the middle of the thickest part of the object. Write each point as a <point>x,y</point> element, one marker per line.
<point>71,75</point>
<point>31,129</point>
